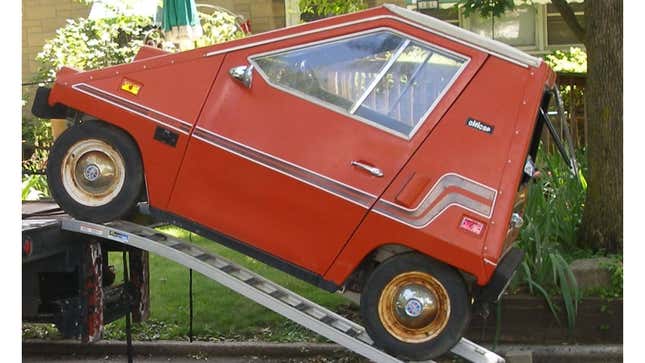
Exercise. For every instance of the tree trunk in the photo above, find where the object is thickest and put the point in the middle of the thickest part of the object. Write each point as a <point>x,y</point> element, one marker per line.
<point>602,224</point>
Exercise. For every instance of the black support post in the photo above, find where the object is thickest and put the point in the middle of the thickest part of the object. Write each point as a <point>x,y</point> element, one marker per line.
<point>128,327</point>
<point>190,304</point>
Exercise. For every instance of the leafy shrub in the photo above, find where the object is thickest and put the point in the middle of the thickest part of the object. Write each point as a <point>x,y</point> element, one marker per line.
<point>317,9</point>
<point>36,141</point>
<point>218,27</point>
<point>88,44</point>
<point>554,212</point>
<point>555,203</point>
<point>615,267</point>
<point>574,60</point>
<point>34,187</point>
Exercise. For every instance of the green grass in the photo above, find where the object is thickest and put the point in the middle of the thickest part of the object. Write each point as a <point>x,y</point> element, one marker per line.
<point>219,313</point>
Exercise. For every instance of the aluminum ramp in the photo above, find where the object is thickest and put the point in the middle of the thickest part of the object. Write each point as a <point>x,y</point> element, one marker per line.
<point>255,287</point>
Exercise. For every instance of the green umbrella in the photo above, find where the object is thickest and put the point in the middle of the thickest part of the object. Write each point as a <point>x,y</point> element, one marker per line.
<point>181,22</point>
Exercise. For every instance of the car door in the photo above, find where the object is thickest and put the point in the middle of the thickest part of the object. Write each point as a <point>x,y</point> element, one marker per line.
<point>291,162</point>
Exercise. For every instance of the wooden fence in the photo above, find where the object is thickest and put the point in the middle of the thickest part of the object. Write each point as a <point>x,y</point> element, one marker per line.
<point>572,87</point>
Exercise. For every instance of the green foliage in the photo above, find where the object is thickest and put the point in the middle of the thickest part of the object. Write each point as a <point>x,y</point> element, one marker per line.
<point>218,27</point>
<point>555,204</point>
<point>554,211</point>
<point>87,44</point>
<point>34,187</point>
<point>40,331</point>
<point>316,9</point>
<point>574,60</point>
<point>486,8</point>
<point>615,267</point>
<point>36,141</point>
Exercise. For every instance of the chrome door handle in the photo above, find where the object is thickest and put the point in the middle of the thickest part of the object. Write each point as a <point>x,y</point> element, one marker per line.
<point>371,169</point>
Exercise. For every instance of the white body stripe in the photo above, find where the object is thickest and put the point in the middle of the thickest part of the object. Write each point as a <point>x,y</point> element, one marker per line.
<point>97,93</point>
<point>433,205</point>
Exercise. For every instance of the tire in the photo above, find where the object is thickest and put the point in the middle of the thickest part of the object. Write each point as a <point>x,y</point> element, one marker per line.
<point>414,330</point>
<point>95,172</point>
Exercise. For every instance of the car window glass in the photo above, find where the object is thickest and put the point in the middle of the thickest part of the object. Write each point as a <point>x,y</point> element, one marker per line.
<point>409,88</point>
<point>382,77</point>
<point>337,73</point>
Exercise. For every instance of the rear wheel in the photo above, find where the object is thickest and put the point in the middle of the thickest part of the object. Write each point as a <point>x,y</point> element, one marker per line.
<point>415,307</point>
<point>94,172</point>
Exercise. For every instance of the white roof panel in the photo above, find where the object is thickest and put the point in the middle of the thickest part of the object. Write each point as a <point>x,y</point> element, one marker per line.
<point>447,30</point>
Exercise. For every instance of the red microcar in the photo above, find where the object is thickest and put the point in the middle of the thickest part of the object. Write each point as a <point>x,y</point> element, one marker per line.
<point>383,152</point>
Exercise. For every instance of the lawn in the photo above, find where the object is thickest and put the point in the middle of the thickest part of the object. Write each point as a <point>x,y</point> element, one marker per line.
<point>219,313</point>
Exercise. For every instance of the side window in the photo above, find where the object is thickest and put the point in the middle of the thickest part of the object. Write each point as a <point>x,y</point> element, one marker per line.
<point>382,78</point>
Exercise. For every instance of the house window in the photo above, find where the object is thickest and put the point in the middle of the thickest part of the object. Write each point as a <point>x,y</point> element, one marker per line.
<point>385,79</point>
<point>442,10</point>
<point>558,32</point>
<point>515,27</point>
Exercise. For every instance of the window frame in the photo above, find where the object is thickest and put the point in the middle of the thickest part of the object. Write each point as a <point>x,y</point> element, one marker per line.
<point>550,46</point>
<point>466,23</point>
<point>466,61</point>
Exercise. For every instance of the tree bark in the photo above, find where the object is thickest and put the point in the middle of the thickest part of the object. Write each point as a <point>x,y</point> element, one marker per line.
<point>602,224</point>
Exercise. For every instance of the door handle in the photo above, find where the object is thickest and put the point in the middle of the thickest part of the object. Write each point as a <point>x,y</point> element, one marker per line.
<point>371,169</point>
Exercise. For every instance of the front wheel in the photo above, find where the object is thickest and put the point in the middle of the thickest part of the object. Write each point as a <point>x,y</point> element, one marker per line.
<point>415,307</point>
<point>94,172</point>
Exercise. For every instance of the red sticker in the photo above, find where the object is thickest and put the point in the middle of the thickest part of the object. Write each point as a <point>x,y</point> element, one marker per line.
<point>472,225</point>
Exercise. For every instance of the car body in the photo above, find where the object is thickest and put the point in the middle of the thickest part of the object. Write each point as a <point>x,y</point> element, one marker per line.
<point>318,147</point>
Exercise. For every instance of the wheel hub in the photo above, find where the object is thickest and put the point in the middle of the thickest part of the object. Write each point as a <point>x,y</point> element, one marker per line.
<point>93,172</point>
<point>414,307</point>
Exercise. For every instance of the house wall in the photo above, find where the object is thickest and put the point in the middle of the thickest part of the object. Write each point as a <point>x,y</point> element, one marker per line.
<point>40,19</point>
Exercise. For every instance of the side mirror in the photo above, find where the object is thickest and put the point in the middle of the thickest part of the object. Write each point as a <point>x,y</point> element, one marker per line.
<point>243,74</point>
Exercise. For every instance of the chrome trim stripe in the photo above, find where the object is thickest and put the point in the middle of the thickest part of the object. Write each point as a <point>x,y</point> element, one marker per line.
<point>345,112</point>
<point>472,40</point>
<point>436,201</point>
<point>446,181</point>
<point>138,109</point>
<point>428,209</point>
<point>493,264</point>
<point>284,167</point>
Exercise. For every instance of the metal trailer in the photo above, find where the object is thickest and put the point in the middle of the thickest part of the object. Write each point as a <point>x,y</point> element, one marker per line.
<point>67,279</point>
<point>255,287</point>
